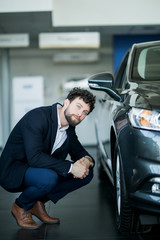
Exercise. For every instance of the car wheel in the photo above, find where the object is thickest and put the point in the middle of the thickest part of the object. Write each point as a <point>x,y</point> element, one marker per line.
<point>127,218</point>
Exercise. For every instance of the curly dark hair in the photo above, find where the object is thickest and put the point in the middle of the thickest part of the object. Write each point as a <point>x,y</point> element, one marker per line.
<point>84,94</point>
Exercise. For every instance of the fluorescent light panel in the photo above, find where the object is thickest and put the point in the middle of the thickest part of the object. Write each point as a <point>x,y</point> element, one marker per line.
<point>69,40</point>
<point>14,40</point>
<point>76,57</point>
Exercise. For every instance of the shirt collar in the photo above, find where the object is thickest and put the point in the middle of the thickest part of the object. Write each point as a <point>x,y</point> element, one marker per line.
<point>59,123</point>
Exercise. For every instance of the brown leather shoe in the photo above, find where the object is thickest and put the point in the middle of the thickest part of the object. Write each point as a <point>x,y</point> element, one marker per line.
<point>39,211</point>
<point>23,218</point>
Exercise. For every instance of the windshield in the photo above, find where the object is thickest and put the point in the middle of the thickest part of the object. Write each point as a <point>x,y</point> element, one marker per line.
<point>146,64</point>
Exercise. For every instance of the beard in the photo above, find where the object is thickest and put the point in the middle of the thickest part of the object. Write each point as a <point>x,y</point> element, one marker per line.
<point>71,121</point>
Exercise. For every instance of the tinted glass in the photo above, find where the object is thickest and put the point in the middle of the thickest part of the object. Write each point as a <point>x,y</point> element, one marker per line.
<point>146,64</point>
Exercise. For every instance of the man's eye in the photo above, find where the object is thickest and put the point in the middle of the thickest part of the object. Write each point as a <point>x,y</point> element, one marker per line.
<point>78,106</point>
<point>85,113</point>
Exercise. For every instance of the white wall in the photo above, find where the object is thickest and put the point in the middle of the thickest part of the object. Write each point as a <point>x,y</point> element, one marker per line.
<point>36,63</point>
<point>54,74</point>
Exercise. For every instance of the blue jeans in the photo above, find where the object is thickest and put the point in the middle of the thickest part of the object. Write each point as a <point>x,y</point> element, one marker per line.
<point>45,184</point>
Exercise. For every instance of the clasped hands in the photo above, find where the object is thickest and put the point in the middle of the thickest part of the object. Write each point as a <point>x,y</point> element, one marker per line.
<point>80,169</point>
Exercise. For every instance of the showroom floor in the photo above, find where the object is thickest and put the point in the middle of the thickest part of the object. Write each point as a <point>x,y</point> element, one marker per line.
<point>87,214</point>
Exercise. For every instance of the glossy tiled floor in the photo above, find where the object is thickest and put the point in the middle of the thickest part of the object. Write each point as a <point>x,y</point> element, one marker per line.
<point>87,214</point>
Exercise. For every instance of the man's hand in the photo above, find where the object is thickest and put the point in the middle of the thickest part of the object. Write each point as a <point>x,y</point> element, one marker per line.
<point>87,161</point>
<point>80,169</point>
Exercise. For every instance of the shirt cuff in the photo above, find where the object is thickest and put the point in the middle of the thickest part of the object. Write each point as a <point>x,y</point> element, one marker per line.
<point>70,168</point>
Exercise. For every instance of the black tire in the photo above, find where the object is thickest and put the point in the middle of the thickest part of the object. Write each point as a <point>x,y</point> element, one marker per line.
<point>127,219</point>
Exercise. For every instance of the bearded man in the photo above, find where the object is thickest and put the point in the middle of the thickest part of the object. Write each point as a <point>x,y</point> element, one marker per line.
<point>34,163</point>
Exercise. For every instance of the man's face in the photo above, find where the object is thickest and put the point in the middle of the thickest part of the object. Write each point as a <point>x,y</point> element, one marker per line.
<point>76,111</point>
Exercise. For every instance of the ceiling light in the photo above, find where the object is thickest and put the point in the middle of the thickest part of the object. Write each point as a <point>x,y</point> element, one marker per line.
<point>14,40</point>
<point>69,40</point>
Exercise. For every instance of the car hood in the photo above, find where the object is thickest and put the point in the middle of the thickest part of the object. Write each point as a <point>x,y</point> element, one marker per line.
<point>145,95</point>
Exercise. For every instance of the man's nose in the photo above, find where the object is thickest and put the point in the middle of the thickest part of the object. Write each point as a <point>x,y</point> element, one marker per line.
<point>79,113</point>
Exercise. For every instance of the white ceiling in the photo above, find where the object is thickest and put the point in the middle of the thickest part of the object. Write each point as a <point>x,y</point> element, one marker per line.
<point>37,22</point>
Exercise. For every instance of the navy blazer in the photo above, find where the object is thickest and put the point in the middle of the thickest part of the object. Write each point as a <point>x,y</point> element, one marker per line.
<point>30,144</point>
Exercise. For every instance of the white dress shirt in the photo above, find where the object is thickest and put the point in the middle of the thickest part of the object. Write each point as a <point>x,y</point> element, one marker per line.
<point>61,134</point>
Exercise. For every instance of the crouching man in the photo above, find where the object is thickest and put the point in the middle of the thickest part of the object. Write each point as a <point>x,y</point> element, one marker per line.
<point>34,163</point>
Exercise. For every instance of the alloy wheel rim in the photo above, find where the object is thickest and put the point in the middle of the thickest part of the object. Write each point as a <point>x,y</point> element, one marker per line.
<point>118,186</point>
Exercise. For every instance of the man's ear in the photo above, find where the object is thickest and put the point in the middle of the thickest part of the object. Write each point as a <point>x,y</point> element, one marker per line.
<point>66,102</point>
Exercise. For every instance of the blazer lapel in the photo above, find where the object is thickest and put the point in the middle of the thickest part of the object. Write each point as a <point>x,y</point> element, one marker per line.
<point>62,151</point>
<point>54,125</point>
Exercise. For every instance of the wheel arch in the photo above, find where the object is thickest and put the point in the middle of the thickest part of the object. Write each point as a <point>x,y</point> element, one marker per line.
<point>113,140</point>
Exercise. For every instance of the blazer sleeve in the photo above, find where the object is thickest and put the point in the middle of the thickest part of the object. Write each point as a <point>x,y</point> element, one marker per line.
<point>77,151</point>
<point>34,129</point>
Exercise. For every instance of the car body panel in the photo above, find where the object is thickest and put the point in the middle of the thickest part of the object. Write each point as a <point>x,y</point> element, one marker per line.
<point>139,148</point>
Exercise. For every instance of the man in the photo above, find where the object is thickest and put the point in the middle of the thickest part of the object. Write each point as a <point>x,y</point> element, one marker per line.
<point>34,163</point>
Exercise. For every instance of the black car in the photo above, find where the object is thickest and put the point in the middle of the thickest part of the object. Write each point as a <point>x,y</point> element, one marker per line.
<point>128,135</point>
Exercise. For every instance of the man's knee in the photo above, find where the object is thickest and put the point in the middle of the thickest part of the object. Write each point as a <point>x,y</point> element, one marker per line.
<point>48,180</point>
<point>87,179</point>
<point>90,175</point>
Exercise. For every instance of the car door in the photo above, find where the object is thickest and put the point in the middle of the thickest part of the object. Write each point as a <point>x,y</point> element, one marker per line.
<point>107,109</point>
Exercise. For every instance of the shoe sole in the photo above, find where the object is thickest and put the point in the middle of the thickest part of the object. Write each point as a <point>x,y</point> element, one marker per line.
<point>47,222</point>
<point>50,222</point>
<point>22,226</point>
<point>58,222</point>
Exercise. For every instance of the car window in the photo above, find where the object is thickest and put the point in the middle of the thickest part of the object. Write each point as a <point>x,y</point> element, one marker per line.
<point>147,64</point>
<point>124,82</point>
<point>120,75</point>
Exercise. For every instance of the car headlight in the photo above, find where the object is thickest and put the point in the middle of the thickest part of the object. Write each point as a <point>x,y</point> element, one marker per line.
<point>145,119</point>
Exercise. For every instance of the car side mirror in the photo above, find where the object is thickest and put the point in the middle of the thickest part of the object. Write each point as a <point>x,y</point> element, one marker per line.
<point>103,82</point>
